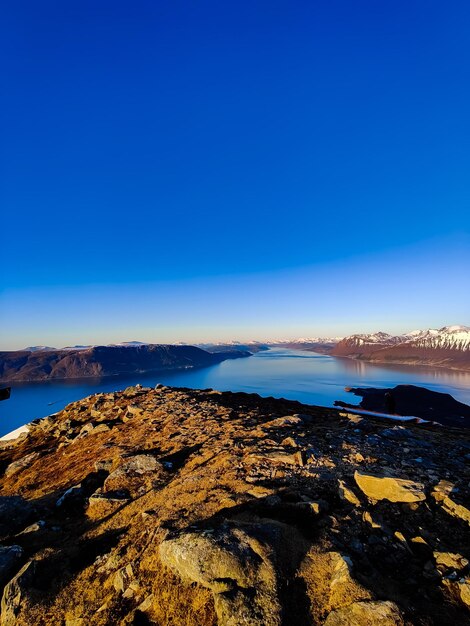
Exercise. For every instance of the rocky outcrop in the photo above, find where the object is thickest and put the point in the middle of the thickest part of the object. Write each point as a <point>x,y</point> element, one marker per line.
<point>389,488</point>
<point>98,361</point>
<point>177,506</point>
<point>412,400</point>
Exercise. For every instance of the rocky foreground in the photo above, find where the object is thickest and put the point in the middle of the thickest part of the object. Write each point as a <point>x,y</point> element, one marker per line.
<point>172,506</point>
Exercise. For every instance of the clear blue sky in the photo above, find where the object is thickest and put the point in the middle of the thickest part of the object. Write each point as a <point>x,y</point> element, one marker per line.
<point>195,170</point>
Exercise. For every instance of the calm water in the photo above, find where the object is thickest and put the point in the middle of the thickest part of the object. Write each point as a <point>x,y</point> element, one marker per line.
<point>305,376</point>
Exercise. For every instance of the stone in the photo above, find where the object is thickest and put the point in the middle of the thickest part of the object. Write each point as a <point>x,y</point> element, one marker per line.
<point>347,494</point>
<point>14,592</point>
<point>103,504</point>
<point>463,587</point>
<point>134,409</point>
<point>328,580</point>
<point>281,422</point>
<point>135,473</point>
<point>450,560</point>
<point>442,490</point>
<point>289,442</point>
<point>367,517</point>
<point>70,497</point>
<point>366,614</point>
<point>122,578</point>
<point>10,557</point>
<point>456,510</point>
<point>389,488</point>
<point>236,567</point>
<point>33,528</point>
<point>18,465</point>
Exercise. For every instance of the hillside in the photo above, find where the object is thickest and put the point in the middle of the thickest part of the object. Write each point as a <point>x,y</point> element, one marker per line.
<point>100,361</point>
<point>446,347</point>
<point>195,508</point>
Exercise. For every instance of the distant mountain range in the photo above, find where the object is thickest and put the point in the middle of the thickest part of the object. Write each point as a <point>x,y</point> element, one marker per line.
<point>444,347</point>
<point>448,346</point>
<point>42,363</point>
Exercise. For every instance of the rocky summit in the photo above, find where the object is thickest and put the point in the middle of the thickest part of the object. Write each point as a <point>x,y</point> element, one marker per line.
<point>179,507</point>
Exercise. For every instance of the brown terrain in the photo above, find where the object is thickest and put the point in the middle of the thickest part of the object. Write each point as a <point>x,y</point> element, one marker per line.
<point>97,361</point>
<point>409,353</point>
<point>195,508</point>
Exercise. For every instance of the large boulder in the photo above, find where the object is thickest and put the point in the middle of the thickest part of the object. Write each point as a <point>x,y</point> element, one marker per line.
<point>236,566</point>
<point>389,488</point>
<point>366,614</point>
<point>14,593</point>
<point>330,583</point>
<point>136,475</point>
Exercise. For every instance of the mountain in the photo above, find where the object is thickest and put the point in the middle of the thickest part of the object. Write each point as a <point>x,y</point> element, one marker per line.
<point>321,345</point>
<point>199,508</point>
<point>445,347</point>
<point>100,361</point>
<point>38,349</point>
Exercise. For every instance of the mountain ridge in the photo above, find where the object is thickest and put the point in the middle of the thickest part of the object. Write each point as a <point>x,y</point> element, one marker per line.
<point>100,361</point>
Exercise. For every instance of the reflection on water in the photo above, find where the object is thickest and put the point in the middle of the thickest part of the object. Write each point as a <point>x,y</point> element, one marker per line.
<point>293,374</point>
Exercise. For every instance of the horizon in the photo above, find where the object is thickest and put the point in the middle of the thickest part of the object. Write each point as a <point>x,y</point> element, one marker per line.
<point>270,340</point>
<point>210,172</point>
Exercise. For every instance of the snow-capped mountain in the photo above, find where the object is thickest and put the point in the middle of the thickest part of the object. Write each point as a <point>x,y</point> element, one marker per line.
<point>448,346</point>
<point>446,338</point>
<point>38,349</point>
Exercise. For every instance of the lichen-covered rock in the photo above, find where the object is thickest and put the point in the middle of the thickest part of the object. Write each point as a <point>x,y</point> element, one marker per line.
<point>14,592</point>
<point>366,614</point>
<point>136,473</point>
<point>235,566</point>
<point>18,465</point>
<point>389,488</point>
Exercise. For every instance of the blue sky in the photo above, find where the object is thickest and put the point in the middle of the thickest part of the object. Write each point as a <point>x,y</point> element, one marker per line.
<point>187,171</point>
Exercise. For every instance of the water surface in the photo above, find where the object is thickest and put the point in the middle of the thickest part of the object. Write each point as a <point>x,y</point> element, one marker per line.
<point>297,375</point>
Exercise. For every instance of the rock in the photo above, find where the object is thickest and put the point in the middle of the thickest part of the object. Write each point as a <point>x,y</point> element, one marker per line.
<point>347,494</point>
<point>122,578</point>
<point>389,488</point>
<point>147,603</point>
<point>18,465</point>
<point>71,497</point>
<point>14,593</point>
<point>450,560</point>
<point>281,422</point>
<point>103,504</point>
<point>136,473</point>
<point>442,490</point>
<point>456,510</point>
<point>15,512</point>
<point>235,566</point>
<point>33,528</point>
<point>278,456</point>
<point>463,587</point>
<point>10,557</point>
<point>367,517</point>
<point>134,409</point>
<point>328,581</point>
<point>366,614</point>
<point>289,442</point>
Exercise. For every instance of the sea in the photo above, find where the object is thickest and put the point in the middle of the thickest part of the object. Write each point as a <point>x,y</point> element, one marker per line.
<point>293,374</point>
